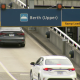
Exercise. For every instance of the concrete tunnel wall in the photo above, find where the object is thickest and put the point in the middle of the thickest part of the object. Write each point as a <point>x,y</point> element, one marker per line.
<point>64,47</point>
<point>76,58</point>
<point>42,30</point>
<point>54,38</point>
<point>57,41</point>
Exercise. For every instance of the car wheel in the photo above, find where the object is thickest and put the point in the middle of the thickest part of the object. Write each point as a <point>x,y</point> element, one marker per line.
<point>22,45</point>
<point>31,76</point>
<point>39,77</point>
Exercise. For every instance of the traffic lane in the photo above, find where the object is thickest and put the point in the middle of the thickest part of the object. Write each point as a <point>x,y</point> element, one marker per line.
<point>21,75</point>
<point>4,72</point>
<point>20,58</point>
<point>17,60</point>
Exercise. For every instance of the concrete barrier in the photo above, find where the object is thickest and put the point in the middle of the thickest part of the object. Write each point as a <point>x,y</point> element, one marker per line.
<point>42,30</point>
<point>57,41</point>
<point>63,46</point>
<point>76,59</point>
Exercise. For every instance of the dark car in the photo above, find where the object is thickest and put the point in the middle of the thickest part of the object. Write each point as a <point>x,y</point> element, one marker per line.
<point>12,35</point>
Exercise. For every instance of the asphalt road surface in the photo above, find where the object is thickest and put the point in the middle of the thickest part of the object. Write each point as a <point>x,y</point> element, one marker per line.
<point>15,61</point>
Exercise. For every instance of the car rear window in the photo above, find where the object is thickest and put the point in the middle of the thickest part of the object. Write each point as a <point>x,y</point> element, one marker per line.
<point>57,61</point>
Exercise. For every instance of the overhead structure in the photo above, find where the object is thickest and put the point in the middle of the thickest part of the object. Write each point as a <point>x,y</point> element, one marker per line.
<point>53,3</point>
<point>40,17</point>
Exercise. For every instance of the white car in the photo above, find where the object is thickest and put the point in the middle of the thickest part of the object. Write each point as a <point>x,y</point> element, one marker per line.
<point>52,68</point>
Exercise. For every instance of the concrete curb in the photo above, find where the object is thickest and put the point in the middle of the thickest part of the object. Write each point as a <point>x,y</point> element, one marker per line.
<point>46,47</point>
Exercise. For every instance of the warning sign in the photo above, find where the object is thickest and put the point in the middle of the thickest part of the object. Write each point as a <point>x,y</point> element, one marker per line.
<point>70,23</point>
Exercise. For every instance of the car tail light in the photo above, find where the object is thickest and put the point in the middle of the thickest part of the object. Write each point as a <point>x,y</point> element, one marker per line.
<point>2,33</point>
<point>58,64</point>
<point>47,69</point>
<point>20,33</point>
<point>72,69</point>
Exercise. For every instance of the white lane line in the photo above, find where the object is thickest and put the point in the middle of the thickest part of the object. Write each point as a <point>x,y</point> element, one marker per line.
<point>7,72</point>
<point>48,53</point>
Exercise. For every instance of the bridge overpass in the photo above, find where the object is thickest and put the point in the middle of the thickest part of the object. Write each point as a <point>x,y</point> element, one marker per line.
<point>55,2</point>
<point>16,60</point>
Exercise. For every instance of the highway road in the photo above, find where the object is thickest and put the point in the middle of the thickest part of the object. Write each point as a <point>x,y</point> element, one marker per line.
<point>15,61</point>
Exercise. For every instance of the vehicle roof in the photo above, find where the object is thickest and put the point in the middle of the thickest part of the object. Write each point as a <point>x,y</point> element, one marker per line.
<point>10,28</point>
<point>54,57</point>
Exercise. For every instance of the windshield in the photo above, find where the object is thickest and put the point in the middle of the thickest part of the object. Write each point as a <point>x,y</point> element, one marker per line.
<point>57,61</point>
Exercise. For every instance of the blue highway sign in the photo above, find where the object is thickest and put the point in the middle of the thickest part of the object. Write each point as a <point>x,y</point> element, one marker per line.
<point>31,17</point>
<point>71,17</point>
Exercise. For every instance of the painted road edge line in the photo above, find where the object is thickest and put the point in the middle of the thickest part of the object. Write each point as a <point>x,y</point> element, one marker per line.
<point>7,71</point>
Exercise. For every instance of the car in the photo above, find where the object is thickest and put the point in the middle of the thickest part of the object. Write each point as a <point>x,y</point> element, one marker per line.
<point>54,67</point>
<point>13,35</point>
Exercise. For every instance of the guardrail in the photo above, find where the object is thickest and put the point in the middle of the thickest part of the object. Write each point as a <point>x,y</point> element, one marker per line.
<point>67,37</point>
<point>20,3</point>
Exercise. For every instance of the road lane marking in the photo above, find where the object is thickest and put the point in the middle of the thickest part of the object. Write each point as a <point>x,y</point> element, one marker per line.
<point>7,72</point>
